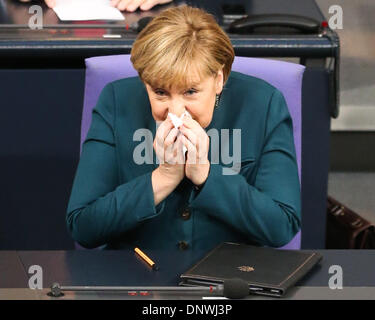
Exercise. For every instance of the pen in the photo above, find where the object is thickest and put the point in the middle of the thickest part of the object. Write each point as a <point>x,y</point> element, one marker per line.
<point>146,259</point>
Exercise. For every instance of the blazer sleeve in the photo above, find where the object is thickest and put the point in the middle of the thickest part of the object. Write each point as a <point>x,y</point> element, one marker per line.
<point>100,208</point>
<point>268,211</point>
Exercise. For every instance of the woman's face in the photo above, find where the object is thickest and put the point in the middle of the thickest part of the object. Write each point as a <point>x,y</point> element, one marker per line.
<point>198,100</point>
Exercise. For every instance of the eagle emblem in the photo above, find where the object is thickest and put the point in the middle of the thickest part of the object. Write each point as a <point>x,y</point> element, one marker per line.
<point>245,268</point>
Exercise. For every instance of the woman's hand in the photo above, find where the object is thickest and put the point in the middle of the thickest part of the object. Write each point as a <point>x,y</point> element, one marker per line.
<point>171,170</point>
<point>168,149</point>
<point>132,5</point>
<point>50,3</point>
<point>197,143</point>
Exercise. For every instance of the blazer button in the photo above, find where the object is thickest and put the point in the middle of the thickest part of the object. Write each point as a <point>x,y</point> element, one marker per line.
<point>185,215</point>
<point>183,245</point>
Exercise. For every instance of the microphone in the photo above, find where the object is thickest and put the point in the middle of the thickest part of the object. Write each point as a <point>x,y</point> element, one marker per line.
<point>235,288</point>
<point>231,288</point>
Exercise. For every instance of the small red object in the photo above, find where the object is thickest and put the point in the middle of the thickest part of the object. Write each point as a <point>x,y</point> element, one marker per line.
<point>144,293</point>
<point>132,293</point>
<point>324,24</point>
<point>127,27</point>
<point>211,288</point>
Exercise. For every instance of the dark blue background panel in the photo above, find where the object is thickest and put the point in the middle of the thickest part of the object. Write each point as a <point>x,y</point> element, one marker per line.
<point>40,118</point>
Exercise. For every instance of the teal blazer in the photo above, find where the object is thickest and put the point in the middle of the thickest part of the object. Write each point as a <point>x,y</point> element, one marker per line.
<point>112,202</point>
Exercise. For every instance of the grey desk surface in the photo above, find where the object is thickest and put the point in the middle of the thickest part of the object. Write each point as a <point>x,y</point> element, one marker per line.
<point>115,268</point>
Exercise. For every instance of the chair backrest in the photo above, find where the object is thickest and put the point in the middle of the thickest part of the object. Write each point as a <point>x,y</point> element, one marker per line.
<point>285,76</point>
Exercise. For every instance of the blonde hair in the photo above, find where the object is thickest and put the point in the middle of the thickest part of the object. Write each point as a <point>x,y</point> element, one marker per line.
<point>179,43</point>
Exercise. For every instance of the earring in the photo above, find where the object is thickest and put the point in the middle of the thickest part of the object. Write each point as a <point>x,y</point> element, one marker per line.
<point>217,99</point>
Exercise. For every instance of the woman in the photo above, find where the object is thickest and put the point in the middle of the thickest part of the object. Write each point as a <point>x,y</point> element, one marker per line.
<point>193,200</point>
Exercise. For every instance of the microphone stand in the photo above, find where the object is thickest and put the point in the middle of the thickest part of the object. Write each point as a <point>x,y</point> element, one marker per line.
<point>57,290</point>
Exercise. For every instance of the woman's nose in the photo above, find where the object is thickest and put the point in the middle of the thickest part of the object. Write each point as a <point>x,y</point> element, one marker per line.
<point>177,107</point>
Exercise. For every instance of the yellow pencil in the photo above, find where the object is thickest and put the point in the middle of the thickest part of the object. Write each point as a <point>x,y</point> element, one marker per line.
<point>146,259</point>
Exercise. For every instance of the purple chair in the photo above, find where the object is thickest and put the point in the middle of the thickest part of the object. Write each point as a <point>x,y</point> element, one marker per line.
<point>285,76</point>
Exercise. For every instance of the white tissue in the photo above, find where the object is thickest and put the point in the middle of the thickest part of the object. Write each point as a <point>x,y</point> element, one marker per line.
<point>177,122</point>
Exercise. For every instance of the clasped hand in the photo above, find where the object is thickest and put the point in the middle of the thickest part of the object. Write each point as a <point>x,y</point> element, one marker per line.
<point>168,146</point>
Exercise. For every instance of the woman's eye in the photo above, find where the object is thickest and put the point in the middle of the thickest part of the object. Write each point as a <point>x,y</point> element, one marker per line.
<point>160,92</point>
<point>190,92</point>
